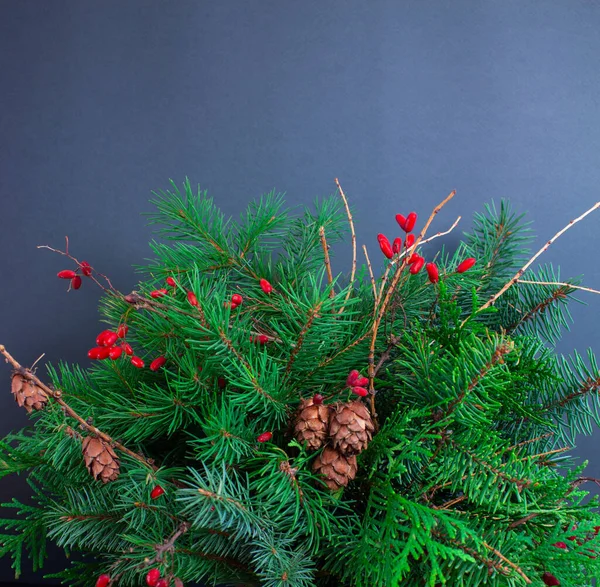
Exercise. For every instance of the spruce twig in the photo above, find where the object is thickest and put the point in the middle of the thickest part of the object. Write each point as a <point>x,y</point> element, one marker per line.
<point>327,261</point>
<point>561,283</point>
<point>56,395</point>
<point>351,222</point>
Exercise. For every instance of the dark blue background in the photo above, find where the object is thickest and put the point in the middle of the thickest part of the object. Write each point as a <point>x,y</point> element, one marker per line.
<point>101,102</point>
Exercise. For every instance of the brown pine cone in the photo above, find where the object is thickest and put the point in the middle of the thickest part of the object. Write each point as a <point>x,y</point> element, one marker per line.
<point>100,459</point>
<point>27,394</point>
<point>351,427</point>
<point>336,469</point>
<point>312,421</point>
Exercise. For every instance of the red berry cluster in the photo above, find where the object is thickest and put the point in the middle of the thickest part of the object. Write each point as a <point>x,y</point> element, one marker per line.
<point>74,276</point>
<point>357,383</point>
<point>153,579</point>
<point>415,261</point>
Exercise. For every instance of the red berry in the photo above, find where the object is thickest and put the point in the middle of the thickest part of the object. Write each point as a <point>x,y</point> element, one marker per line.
<point>236,299</point>
<point>360,391</point>
<point>465,265</point>
<point>317,399</point>
<point>163,583</point>
<point>417,266</point>
<point>550,579</point>
<point>560,545</point>
<point>158,293</point>
<point>352,377</point>
<point>596,530</point>
<point>221,382</point>
<point>362,381</point>
<point>397,245</point>
<point>122,331</point>
<point>178,582</point>
<point>401,220</point>
<point>432,271</point>
<point>152,577</point>
<point>115,352</point>
<point>266,286</point>
<point>414,257</point>
<point>192,299</point>
<point>103,581</point>
<point>102,353</point>
<point>384,245</point>
<point>127,348</point>
<point>100,337</point>
<point>130,298</point>
<point>157,363</point>
<point>76,282</point>
<point>157,492</point>
<point>137,362</point>
<point>66,274</point>
<point>171,282</point>
<point>264,437</point>
<point>93,353</point>
<point>263,339</point>
<point>85,268</point>
<point>409,241</point>
<point>410,222</point>
<point>109,338</point>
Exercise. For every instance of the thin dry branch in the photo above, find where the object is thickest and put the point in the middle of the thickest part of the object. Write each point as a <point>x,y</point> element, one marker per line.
<point>370,271</point>
<point>327,261</point>
<point>509,563</point>
<point>562,283</point>
<point>351,222</point>
<point>520,272</point>
<point>56,395</point>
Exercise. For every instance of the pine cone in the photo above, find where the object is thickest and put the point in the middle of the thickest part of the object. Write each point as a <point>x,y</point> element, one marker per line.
<point>351,427</point>
<point>27,394</point>
<point>336,468</point>
<point>100,459</point>
<point>312,421</point>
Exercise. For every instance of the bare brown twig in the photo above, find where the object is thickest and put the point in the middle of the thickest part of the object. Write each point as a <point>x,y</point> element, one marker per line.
<point>327,261</point>
<point>351,222</point>
<point>561,283</point>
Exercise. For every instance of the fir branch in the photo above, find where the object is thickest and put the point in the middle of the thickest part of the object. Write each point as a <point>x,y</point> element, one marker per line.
<point>314,312</point>
<point>590,384</point>
<point>56,395</point>
<point>520,272</point>
<point>559,294</point>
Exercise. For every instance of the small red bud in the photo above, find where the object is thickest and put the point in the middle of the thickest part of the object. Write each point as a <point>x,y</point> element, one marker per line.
<point>152,577</point>
<point>178,582</point>
<point>157,492</point>
<point>409,241</point>
<point>127,348</point>
<point>560,545</point>
<point>192,299</point>
<point>221,382</point>
<point>66,274</point>
<point>362,381</point>
<point>93,353</point>
<point>76,282</point>
<point>596,530</point>
<point>414,257</point>
<point>317,399</point>
<point>109,339</point>
<point>401,220</point>
<point>263,339</point>
<point>352,377</point>
<point>85,268</point>
<point>137,362</point>
<point>158,293</point>
<point>122,330</point>
<point>465,265</point>
<point>432,271</point>
<point>550,579</point>
<point>163,583</point>
<point>417,266</point>
<point>360,391</point>
<point>236,299</point>
<point>102,353</point>
<point>264,437</point>
<point>384,245</point>
<point>266,286</point>
<point>171,282</point>
<point>115,352</point>
<point>130,298</point>
<point>411,219</point>
<point>157,363</point>
<point>101,336</point>
<point>397,245</point>
<point>103,581</point>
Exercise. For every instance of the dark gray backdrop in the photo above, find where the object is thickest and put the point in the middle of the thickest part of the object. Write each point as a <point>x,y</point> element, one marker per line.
<point>100,102</point>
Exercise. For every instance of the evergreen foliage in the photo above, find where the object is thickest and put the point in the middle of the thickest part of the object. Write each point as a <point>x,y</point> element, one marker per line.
<point>467,480</point>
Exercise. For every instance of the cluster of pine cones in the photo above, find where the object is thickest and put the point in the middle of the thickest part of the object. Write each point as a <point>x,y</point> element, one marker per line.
<point>345,428</point>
